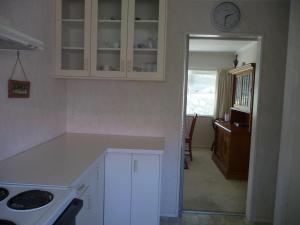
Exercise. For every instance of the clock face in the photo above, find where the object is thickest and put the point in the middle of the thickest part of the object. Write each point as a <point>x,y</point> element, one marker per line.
<point>226,16</point>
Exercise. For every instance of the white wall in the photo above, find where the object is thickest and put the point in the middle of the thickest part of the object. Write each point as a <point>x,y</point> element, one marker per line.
<point>204,133</point>
<point>288,195</point>
<point>248,54</point>
<point>28,122</point>
<point>210,60</point>
<point>154,108</point>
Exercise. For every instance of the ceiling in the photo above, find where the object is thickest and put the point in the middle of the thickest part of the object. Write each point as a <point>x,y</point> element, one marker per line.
<point>209,45</point>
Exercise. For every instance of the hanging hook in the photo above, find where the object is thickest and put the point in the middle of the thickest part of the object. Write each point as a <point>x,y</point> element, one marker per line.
<point>22,68</point>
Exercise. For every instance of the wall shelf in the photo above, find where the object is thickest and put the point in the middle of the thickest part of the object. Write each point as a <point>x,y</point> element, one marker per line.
<point>108,21</point>
<point>73,20</point>
<point>109,49</point>
<point>72,48</point>
<point>145,50</point>
<point>146,21</point>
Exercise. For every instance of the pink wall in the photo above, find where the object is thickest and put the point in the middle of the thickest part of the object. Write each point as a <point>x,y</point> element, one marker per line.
<point>155,108</point>
<point>144,108</point>
<point>28,122</point>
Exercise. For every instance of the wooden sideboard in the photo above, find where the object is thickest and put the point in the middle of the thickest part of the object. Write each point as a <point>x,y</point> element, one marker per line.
<point>232,139</point>
<point>232,150</point>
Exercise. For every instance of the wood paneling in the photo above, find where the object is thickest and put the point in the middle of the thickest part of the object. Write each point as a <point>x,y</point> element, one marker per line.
<point>233,139</point>
<point>232,150</point>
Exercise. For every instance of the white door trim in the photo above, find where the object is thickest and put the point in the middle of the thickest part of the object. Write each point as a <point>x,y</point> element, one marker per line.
<point>253,152</point>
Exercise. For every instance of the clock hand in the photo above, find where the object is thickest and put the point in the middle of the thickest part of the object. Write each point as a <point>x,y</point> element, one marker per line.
<point>226,17</point>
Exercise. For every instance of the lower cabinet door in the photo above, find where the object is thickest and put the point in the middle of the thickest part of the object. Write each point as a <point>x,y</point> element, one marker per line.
<point>100,191</point>
<point>145,204</point>
<point>117,189</point>
<point>88,213</point>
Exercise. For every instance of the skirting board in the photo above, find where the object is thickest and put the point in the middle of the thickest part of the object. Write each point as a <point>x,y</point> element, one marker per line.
<point>171,215</point>
<point>195,147</point>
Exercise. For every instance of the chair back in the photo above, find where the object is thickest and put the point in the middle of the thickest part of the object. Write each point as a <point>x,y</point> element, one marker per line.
<point>193,126</point>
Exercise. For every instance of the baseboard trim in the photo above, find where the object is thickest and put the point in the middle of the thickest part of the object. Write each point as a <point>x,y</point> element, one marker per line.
<point>262,222</point>
<point>213,213</point>
<point>201,146</point>
<point>171,215</point>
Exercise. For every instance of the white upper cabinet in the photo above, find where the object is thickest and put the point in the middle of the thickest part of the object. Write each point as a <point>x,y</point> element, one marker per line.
<point>146,39</point>
<point>73,37</point>
<point>111,39</point>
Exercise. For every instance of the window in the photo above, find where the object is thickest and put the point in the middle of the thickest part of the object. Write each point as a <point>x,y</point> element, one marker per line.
<point>201,92</point>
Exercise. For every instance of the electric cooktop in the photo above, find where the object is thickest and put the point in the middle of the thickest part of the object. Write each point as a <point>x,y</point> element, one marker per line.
<point>32,204</point>
<point>6,222</point>
<point>3,193</point>
<point>31,199</point>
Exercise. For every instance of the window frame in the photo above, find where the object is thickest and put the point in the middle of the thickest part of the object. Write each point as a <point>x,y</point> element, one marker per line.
<point>205,72</point>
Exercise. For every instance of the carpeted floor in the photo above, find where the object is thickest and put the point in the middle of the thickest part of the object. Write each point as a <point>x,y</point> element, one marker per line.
<point>206,189</point>
<point>194,219</point>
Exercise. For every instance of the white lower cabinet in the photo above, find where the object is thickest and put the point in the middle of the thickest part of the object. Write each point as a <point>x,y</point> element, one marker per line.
<point>100,192</point>
<point>145,204</point>
<point>90,188</point>
<point>132,189</point>
<point>121,189</point>
<point>117,189</point>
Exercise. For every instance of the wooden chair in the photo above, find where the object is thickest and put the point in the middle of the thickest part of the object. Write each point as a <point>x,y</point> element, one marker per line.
<point>189,139</point>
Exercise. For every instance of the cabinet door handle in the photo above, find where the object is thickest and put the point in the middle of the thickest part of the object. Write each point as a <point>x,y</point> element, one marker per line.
<point>135,165</point>
<point>82,189</point>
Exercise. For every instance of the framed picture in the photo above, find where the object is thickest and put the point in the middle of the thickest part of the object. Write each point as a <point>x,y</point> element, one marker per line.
<point>18,89</point>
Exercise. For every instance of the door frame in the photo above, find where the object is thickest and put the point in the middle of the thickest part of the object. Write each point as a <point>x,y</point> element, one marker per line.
<point>253,147</point>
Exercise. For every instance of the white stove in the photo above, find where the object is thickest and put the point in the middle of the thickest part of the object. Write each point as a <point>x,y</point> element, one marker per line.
<point>47,214</point>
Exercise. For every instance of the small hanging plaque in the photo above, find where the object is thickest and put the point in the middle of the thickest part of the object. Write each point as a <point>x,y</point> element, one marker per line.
<point>18,89</point>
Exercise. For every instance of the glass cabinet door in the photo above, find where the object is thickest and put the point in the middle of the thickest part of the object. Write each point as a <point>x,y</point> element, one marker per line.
<point>109,37</point>
<point>243,92</point>
<point>73,50</point>
<point>146,38</point>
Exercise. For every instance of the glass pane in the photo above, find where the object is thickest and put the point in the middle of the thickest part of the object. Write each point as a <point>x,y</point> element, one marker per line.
<point>201,92</point>
<point>243,88</point>
<point>109,35</point>
<point>145,36</point>
<point>73,34</point>
<point>238,91</point>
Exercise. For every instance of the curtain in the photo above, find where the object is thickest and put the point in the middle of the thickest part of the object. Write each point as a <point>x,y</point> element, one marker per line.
<point>224,93</point>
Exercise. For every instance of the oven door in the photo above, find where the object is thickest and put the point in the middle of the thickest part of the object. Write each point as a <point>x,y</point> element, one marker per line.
<point>68,217</point>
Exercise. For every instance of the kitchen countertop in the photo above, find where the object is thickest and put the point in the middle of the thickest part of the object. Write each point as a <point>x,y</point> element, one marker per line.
<point>62,160</point>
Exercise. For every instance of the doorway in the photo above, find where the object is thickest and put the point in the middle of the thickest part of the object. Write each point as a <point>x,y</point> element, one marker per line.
<point>205,185</point>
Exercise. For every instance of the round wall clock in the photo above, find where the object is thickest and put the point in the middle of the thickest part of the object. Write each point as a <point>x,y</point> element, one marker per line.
<point>226,16</point>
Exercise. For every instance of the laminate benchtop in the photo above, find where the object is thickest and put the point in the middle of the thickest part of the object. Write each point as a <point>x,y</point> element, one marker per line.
<point>63,159</point>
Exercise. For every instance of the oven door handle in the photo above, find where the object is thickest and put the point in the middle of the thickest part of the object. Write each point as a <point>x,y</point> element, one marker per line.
<point>70,213</point>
